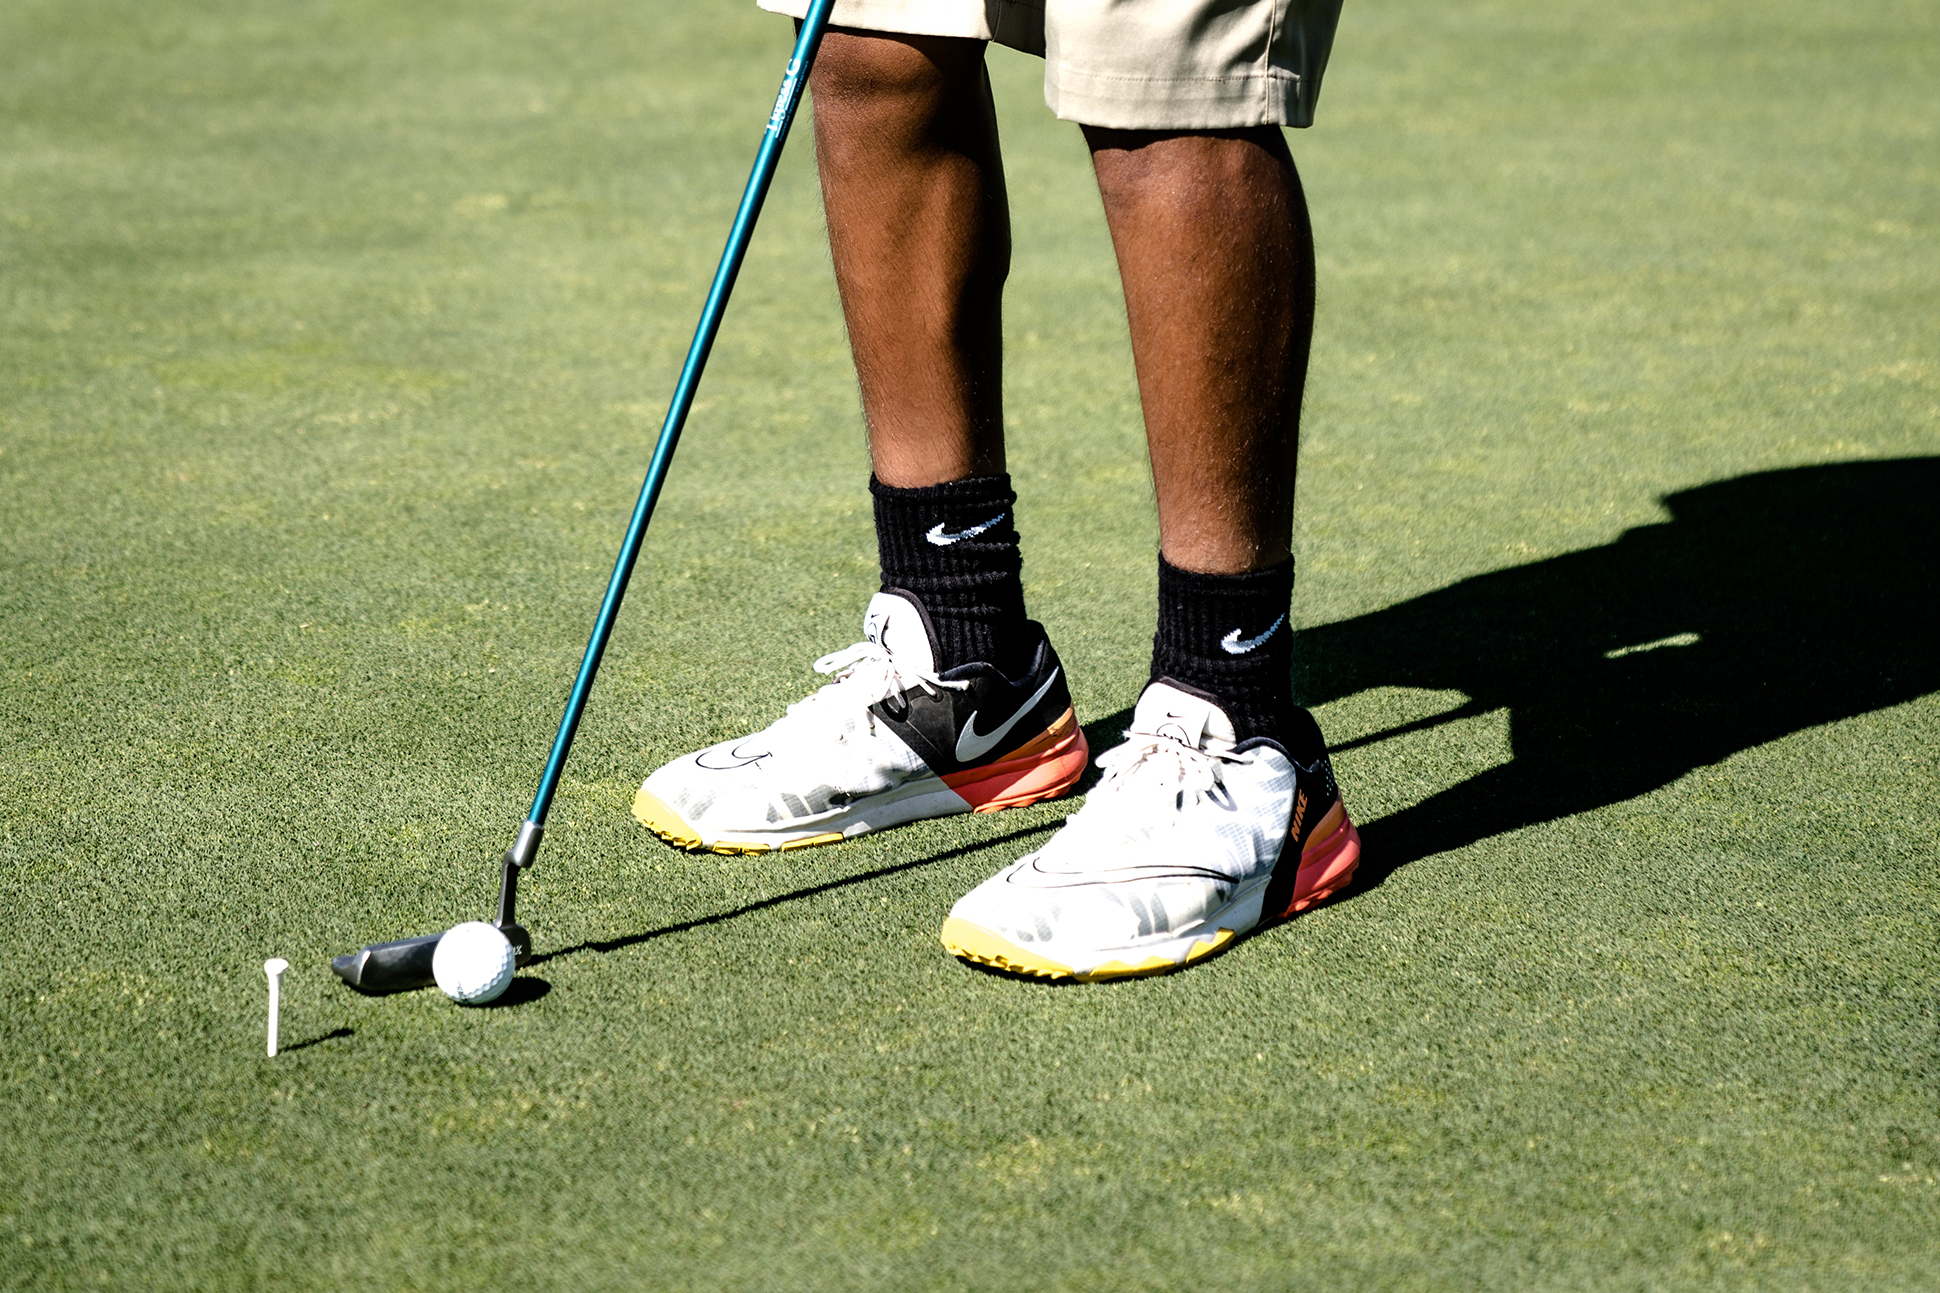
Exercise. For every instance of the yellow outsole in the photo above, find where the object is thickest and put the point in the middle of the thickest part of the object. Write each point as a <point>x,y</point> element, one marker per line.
<point>975,943</point>
<point>663,821</point>
<point>653,813</point>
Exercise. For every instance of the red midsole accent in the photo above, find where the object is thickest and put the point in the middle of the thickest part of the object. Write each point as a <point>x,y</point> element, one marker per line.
<point>1328,861</point>
<point>1047,766</point>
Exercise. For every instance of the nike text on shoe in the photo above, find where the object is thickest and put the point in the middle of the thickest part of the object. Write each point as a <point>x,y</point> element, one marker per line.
<point>1190,841</point>
<point>889,741</point>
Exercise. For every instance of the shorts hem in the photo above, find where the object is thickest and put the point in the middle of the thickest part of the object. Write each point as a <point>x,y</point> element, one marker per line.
<point>1111,102</point>
<point>1265,90</point>
<point>1017,24</point>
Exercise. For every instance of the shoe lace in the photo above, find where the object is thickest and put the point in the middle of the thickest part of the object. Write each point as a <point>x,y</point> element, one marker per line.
<point>864,674</point>
<point>1147,766</point>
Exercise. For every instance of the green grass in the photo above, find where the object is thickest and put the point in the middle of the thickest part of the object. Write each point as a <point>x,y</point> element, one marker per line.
<point>332,335</point>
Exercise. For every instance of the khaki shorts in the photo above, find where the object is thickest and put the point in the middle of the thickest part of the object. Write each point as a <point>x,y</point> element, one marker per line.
<point>1138,64</point>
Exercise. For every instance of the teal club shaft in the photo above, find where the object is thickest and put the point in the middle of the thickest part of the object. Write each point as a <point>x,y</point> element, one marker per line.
<point>794,82</point>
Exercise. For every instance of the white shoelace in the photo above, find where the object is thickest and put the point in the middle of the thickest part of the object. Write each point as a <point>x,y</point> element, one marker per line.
<point>864,674</point>
<point>1148,765</point>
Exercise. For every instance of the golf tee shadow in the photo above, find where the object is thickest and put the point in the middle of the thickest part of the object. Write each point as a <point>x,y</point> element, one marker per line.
<point>318,1040</point>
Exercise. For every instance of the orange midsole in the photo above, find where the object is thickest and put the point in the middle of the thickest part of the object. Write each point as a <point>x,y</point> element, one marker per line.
<point>1328,861</point>
<point>1049,765</point>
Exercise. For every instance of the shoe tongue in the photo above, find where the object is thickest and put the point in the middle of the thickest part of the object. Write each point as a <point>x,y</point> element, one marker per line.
<point>1166,710</point>
<point>895,622</point>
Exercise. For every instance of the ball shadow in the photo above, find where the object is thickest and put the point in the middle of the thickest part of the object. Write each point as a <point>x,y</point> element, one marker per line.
<point>525,988</point>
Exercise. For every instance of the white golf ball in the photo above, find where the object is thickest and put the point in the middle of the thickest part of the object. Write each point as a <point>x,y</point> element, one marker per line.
<point>473,963</point>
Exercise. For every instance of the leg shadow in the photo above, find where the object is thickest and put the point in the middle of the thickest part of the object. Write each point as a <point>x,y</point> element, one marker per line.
<point>1768,604</point>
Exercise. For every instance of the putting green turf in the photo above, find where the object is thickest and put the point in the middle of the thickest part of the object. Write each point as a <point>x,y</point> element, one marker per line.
<point>332,336</point>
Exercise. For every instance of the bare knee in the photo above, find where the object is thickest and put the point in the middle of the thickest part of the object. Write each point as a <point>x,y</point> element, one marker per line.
<point>1137,168</point>
<point>877,82</point>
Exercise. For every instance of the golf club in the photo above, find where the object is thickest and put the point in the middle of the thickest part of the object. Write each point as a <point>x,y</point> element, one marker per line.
<point>406,964</point>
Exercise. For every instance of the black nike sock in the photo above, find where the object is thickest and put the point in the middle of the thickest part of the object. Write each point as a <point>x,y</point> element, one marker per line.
<point>955,546</point>
<point>1228,636</point>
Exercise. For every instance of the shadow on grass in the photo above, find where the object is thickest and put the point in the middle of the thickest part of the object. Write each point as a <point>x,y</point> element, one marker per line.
<point>522,989</point>
<point>1101,734</point>
<point>318,1040</point>
<point>1767,604</point>
<point>748,909</point>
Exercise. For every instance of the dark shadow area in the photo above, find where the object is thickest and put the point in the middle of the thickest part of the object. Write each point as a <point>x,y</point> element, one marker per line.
<point>523,989</point>
<point>863,877</point>
<point>1767,604</point>
<point>1101,734</point>
<point>319,1040</point>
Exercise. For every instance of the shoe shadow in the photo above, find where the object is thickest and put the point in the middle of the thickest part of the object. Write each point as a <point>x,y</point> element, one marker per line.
<point>1767,604</point>
<point>748,909</point>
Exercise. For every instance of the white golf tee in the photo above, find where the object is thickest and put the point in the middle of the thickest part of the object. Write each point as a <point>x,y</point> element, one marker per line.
<point>274,968</point>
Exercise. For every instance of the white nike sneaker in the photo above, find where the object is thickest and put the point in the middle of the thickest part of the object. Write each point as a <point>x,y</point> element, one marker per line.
<point>1184,846</point>
<point>891,740</point>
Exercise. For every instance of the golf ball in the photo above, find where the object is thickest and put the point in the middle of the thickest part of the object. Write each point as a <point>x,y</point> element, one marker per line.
<point>473,963</point>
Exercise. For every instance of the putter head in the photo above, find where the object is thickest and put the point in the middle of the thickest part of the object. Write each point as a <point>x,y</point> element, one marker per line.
<point>406,964</point>
<point>515,935</point>
<point>389,967</point>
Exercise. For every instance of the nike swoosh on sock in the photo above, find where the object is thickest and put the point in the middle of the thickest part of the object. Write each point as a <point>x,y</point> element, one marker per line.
<point>1233,644</point>
<point>943,538</point>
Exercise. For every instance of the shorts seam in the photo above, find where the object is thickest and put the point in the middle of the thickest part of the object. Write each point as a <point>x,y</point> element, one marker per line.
<point>1273,30</point>
<point>1262,74</point>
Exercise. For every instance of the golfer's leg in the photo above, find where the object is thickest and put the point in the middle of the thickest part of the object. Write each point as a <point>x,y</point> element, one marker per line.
<point>1217,260</point>
<point>906,138</point>
<point>1214,250</point>
<point>907,144</point>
